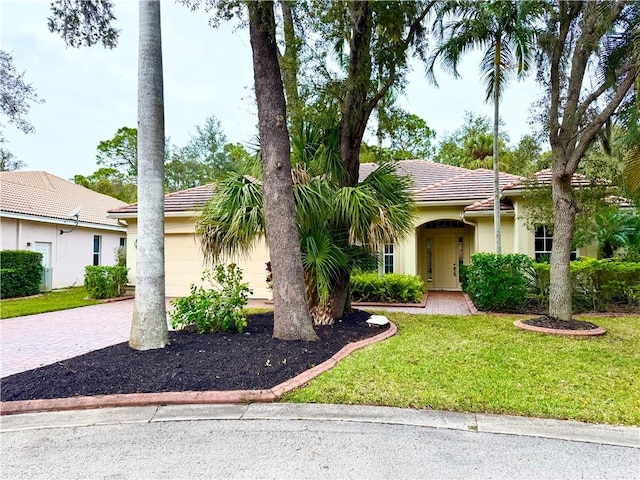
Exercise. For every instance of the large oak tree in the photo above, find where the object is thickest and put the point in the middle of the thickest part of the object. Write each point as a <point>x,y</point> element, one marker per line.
<point>590,67</point>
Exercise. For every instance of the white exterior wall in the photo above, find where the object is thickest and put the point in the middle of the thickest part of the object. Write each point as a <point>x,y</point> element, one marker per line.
<point>70,252</point>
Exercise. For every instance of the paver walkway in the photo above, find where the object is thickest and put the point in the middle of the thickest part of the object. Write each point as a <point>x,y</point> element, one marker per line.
<point>438,303</point>
<point>36,340</point>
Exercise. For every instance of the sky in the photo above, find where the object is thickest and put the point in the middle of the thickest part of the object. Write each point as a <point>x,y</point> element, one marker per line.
<point>91,92</point>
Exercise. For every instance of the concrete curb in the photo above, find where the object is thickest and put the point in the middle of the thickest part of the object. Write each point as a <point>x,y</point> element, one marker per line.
<point>179,398</point>
<point>473,423</point>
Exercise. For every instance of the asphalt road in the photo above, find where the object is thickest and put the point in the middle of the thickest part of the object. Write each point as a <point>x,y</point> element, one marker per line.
<point>281,441</point>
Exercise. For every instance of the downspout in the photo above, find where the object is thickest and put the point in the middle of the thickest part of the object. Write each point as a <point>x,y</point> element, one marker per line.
<point>475,231</point>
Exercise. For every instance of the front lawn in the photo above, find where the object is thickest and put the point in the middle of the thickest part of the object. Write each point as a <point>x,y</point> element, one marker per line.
<point>484,364</point>
<point>46,302</point>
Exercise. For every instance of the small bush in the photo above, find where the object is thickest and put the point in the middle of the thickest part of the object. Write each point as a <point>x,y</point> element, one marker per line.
<point>105,282</point>
<point>498,282</point>
<point>596,284</point>
<point>21,273</point>
<point>218,309</point>
<point>391,287</point>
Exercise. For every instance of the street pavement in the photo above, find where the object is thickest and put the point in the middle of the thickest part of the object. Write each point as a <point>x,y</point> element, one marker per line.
<point>283,441</point>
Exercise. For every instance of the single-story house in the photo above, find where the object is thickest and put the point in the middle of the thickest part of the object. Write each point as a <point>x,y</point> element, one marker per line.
<point>454,220</point>
<point>65,222</point>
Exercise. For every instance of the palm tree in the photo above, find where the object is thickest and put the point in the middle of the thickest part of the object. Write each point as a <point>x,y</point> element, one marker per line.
<point>149,324</point>
<point>339,227</point>
<point>506,30</point>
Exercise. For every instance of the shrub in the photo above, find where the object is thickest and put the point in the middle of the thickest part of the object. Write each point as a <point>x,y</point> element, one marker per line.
<point>498,282</point>
<point>596,284</point>
<point>391,287</point>
<point>218,309</point>
<point>105,282</point>
<point>21,273</point>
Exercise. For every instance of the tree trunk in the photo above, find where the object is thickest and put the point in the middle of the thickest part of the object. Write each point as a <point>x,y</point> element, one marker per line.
<point>291,315</point>
<point>496,161</point>
<point>355,112</point>
<point>564,209</point>
<point>340,296</point>
<point>289,66</point>
<point>149,323</point>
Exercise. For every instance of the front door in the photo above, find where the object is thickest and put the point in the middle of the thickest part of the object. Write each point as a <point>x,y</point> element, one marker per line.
<point>445,262</point>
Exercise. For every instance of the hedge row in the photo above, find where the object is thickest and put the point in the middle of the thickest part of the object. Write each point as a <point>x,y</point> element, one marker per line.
<point>508,282</point>
<point>105,282</point>
<point>20,273</point>
<point>391,287</point>
<point>596,284</point>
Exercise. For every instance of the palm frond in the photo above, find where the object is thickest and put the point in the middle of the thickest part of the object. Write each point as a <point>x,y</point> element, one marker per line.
<point>323,259</point>
<point>233,220</point>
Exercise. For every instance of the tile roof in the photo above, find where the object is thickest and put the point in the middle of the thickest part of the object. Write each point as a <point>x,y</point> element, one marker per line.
<point>487,205</point>
<point>543,177</point>
<point>434,182</point>
<point>183,201</point>
<point>45,195</point>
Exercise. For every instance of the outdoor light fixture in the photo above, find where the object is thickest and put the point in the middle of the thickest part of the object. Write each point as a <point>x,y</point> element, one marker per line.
<point>75,213</point>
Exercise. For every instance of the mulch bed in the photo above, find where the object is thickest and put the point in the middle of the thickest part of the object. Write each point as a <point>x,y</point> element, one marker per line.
<point>550,322</point>
<point>251,360</point>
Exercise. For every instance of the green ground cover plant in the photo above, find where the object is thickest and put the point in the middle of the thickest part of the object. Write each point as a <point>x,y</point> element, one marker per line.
<point>46,302</point>
<point>484,364</point>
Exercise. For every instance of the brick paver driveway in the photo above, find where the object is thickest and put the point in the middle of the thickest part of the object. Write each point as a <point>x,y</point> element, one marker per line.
<point>35,340</point>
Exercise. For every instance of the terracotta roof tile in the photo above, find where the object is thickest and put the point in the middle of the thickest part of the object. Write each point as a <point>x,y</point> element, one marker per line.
<point>487,205</point>
<point>544,177</point>
<point>436,182</point>
<point>432,182</point>
<point>45,195</point>
<point>183,201</point>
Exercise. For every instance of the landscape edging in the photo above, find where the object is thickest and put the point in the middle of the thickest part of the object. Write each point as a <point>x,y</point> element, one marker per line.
<point>190,397</point>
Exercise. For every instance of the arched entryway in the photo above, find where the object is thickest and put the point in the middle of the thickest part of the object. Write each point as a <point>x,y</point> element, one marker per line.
<point>443,246</point>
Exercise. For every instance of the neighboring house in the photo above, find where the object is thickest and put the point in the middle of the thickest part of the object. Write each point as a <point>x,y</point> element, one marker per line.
<point>454,220</point>
<point>35,207</point>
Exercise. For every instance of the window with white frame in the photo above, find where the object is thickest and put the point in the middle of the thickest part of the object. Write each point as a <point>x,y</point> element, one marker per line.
<point>544,244</point>
<point>387,258</point>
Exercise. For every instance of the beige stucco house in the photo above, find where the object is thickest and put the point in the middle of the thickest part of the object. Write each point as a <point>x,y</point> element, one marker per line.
<point>35,207</point>
<point>454,220</point>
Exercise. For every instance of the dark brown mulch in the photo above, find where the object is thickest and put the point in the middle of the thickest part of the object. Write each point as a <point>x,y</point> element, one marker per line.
<point>550,322</point>
<point>251,360</point>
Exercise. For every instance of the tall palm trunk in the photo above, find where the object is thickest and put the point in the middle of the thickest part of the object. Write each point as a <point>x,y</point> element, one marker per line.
<point>496,161</point>
<point>291,315</point>
<point>149,323</point>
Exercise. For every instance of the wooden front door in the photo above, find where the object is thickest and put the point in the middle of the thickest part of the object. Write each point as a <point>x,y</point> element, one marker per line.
<point>445,262</point>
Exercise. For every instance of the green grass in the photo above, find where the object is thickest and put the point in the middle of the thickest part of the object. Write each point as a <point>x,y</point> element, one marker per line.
<point>485,364</point>
<point>46,302</point>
